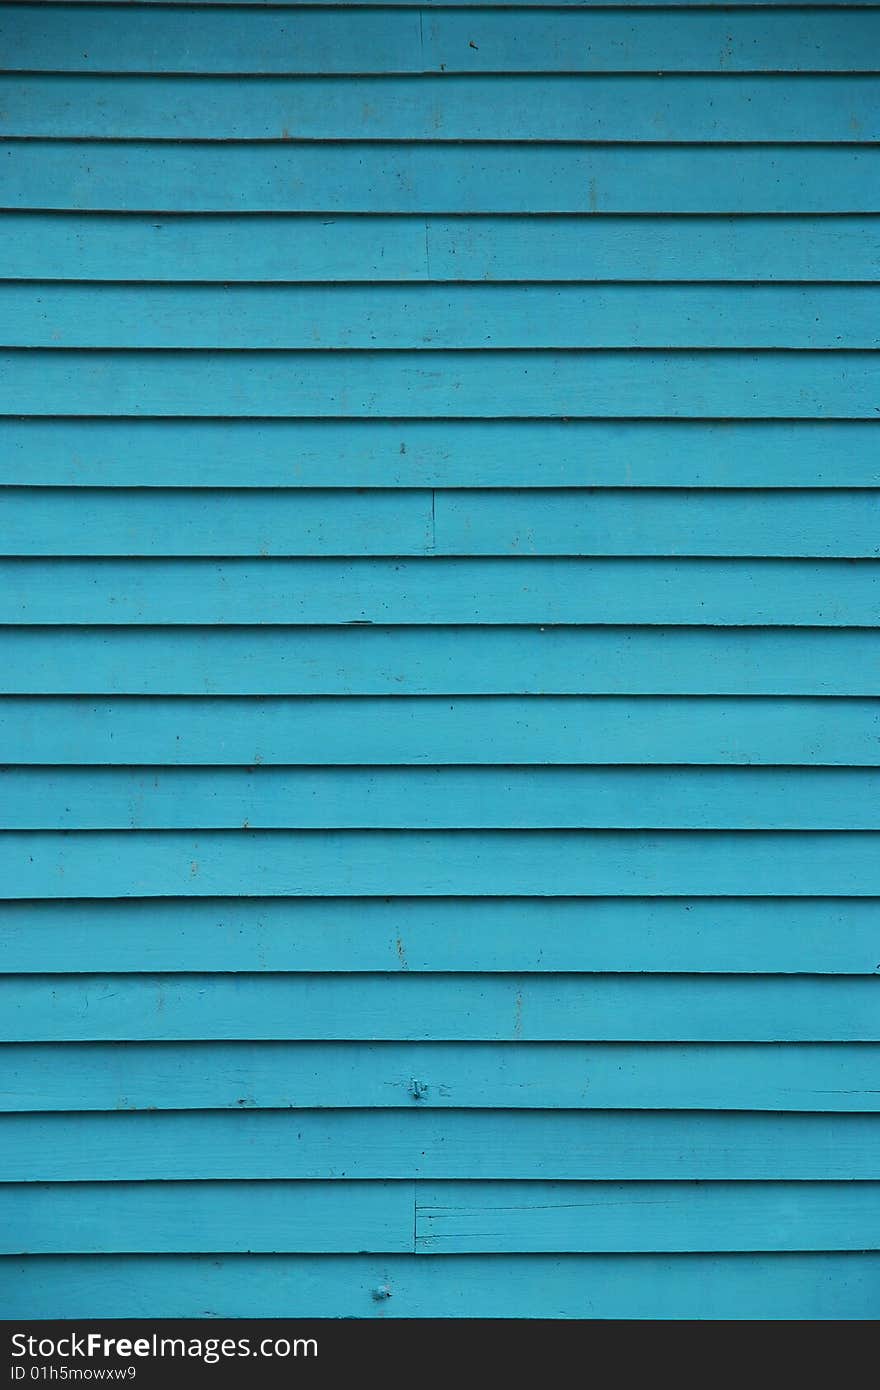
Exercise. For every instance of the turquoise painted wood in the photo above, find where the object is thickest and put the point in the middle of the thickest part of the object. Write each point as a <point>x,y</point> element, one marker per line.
<point>769,935</point>
<point>492,385</point>
<point>485,1146</point>
<point>765,109</point>
<point>497,1008</point>
<point>281,798</point>
<point>53,315</point>
<point>383,521</point>
<point>486,4</point>
<point>479,1217</point>
<point>478,863</point>
<point>404,661</point>
<point>431,177</point>
<point>327,40</point>
<point>810,1286</point>
<point>434,730</point>
<point>438,660</point>
<point>101,1218</point>
<point>298,248</point>
<point>457,1078</point>
<point>533,590</point>
<point>242,453</point>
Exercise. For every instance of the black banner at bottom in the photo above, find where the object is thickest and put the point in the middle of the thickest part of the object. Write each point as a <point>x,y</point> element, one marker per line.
<point>214,1353</point>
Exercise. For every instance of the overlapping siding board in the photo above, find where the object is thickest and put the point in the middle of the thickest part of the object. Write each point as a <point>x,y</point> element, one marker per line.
<point>440,575</point>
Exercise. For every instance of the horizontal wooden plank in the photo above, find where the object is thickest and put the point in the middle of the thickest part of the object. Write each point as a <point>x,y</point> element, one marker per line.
<point>434,730</point>
<point>498,660</point>
<point>770,935</point>
<point>55,314</point>
<point>439,453</point>
<point>802,1286</point>
<point>517,589</point>
<point>341,521</point>
<point>106,39</point>
<point>344,521</point>
<point>492,384</point>
<point>499,1217</point>
<point>281,798</point>
<point>516,1077</point>
<point>334,863</point>
<point>432,177</point>
<point>103,1218</point>
<point>395,1008</point>
<point>299,247</point>
<point>643,107</point>
<point>505,4</point>
<point>489,1144</point>
<point>95,1218</point>
<point>675,522</point>
<point>809,1286</point>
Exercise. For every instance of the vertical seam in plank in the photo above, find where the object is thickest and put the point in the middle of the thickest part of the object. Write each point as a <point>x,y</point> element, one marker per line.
<point>415,1215</point>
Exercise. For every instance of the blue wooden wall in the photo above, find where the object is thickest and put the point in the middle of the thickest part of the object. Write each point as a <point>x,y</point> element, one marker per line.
<point>440,569</point>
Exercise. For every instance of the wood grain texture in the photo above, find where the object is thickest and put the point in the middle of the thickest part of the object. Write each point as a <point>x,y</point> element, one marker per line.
<point>330,1148</point>
<point>448,591</point>
<point>309,863</point>
<point>182,39</point>
<point>50,314</point>
<point>453,660</point>
<point>527,1082</point>
<point>242,454</point>
<point>420,730</point>
<point>806,1286</point>
<point>499,1217</point>
<point>631,107</point>
<point>440,798</point>
<point>434,177</point>
<point>488,4</point>
<point>96,1218</point>
<point>103,1218</point>
<point>156,522</point>
<point>438,635</point>
<point>493,384</point>
<point>528,1008</point>
<point>736,935</point>
<point>67,245</point>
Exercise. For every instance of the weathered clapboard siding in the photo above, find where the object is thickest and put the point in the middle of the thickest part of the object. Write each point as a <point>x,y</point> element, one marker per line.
<point>812,1286</point>
<point>457,1078</point>
<point>298,248</point>
<point>486,590</point>
<point>434,730</point>
<point>344,521</point>
<point>438,177</point>
<point>438,660</point>
<point>376,659</point>
<point>246,453</point>
<point>285,40</point>
<point>489,1008</point>
<point>458,1144</point>
<point>735,935</point>
<point>440,798</point>
<point>50,314</point>
<point>472,1217</point>
<point>765,109</point>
